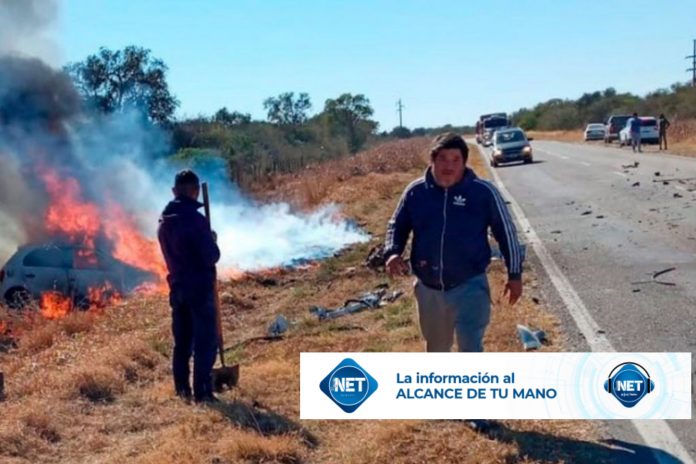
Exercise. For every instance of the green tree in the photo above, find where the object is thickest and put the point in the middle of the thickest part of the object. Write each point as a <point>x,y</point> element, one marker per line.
<point>285,109</point>
<point>130,78</point>
<point>235,118</point>
<point>349,115</point>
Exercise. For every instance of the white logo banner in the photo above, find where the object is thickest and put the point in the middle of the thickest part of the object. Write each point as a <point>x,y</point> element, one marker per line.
<point>495,386</point>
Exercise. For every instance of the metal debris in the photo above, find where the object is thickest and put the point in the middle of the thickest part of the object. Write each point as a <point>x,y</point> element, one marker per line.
<point>631,166</point>
<point>654,280</point>
<point>531,339</point>
<point>370,300</point>
<point>278,327</point>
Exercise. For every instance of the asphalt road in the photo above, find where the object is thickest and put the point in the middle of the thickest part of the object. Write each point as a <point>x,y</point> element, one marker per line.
<point>610,224</point>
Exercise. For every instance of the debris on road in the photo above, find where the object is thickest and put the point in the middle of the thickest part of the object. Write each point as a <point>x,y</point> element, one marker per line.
<point>636,184</point>
<point>678,195</point>
<point>654,280</point>
<point>556,232</point>
<point>631,166</point>
<point>586,213</point>
<point>600,217</point>
<point>375,258</point>
<point>657,174</point>
<point>370,300</point>
<point>531,339</point>
<point>278,327</point>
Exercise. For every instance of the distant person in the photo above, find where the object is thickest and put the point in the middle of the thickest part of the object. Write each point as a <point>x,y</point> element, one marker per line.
<point>634,127</point>
<point>663,125</point>
<point>190,251</point>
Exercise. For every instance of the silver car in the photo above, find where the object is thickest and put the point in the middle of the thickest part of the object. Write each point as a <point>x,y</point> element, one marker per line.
<point>595,131</point>
<point>66,269</point>
<point>510,145</point>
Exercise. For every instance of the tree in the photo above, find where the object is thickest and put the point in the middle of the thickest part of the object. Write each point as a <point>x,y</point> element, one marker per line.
<point>235,118</point>
<point>129,78</point>
<point>285,109</point>
<point>350,114</point>
<point>400,132</point>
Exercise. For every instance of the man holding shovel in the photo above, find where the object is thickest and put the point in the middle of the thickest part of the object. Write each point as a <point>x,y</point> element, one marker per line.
<point>190,251</point>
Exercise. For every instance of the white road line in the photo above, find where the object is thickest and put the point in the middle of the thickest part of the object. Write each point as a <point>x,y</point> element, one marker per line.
<point>679,187</point>
<point>585,164</point>
<point>619,173</point>
<point>656,433</point>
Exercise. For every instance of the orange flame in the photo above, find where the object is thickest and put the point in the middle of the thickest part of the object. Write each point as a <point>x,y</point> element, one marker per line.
<point>102,296</point>
<point>130,246</point>
<point>68,214</point>
<point>3,327</point>
<point>81,222</point>
<point>55,305</point>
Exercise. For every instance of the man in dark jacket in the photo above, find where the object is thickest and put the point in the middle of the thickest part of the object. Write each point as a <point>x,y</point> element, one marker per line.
<point>190,252</point>
<point>449,210</point>
<point>663,125</point>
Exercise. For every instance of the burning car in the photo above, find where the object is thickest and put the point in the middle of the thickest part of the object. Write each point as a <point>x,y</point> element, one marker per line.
<point>60,277</point>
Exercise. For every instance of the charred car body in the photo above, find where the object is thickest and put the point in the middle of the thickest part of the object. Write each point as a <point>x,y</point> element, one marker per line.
<point>66,269</point>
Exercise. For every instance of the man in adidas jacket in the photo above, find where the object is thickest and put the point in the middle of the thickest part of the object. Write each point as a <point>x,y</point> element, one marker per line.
<point>449,210</point>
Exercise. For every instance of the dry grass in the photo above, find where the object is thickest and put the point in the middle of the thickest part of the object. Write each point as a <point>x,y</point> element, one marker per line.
<point>102,392</point>
<point>560,136</point>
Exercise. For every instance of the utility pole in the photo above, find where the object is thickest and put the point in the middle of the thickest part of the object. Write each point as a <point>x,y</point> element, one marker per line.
<point>400,107</point>
<point>692,69</point>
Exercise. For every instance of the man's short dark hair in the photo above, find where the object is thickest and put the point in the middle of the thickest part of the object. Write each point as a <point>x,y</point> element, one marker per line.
<point>186,178</point>
<point>635,115</point>
<point>448,140</point>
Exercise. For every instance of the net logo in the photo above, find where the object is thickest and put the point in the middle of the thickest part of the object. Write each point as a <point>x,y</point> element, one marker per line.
<point>630,384</point>
<point>348,385</point>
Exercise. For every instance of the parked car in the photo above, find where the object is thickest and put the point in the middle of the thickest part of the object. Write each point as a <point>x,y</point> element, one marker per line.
<point>510,145</point>
<point>67,269</point>
<point>649,132</point>
<point>594,132</point>
<point>613,126</point>
<point>491,125</point>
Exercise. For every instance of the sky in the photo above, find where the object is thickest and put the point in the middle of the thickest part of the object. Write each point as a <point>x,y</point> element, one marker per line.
<point>448,61</point>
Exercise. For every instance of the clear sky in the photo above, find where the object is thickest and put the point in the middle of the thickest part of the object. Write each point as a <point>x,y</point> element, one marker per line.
<point>449,61</point>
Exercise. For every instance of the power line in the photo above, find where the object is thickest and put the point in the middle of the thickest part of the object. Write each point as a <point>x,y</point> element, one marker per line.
<point>692,69</point>
<point>400,107</point>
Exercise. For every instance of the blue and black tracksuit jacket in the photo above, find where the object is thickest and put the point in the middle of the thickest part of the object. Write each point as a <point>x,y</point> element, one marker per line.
<point>450,230</point>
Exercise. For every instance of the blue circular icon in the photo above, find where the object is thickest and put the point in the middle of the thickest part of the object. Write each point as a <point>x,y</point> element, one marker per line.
<point>349,385</point>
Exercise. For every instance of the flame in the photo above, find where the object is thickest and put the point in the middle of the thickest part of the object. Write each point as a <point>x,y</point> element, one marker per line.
<point>3,327</point>
<point>130,246</point>
<point>105,295</point>
<point>55,305</point>
<point>67,214</point>
<point>70,216</point>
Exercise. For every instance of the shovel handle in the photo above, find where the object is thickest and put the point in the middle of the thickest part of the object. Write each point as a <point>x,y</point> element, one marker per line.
<point>218,318</point>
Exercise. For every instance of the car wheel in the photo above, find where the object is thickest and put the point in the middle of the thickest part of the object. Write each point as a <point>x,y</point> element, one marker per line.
<point>18,298</point>
<point>528,160</point>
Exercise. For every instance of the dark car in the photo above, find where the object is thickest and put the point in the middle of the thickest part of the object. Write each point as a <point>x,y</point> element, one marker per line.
<point>614,125</point>
<point>510,145</point>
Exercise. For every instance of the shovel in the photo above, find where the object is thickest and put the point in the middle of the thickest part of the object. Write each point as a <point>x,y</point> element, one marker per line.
<point>224,375</point>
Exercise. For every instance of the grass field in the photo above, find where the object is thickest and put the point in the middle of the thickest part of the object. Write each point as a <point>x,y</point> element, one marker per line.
<point>96,387</point>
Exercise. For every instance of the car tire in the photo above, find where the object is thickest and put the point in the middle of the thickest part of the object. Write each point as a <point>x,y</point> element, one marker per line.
<point>529,160</point>
<point>18,298</point>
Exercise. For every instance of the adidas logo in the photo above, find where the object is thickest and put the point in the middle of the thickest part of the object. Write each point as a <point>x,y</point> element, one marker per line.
<point>459,200</point>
